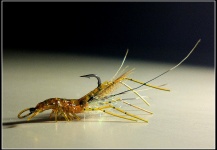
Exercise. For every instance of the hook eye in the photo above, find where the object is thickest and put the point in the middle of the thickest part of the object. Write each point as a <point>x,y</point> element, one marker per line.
<point>31,110</point>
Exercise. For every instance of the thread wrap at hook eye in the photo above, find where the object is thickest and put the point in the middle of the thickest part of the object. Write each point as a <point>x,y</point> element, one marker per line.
<point>31,110</point>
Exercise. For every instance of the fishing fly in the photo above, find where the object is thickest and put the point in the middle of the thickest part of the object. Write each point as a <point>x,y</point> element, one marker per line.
<point>100,98</point>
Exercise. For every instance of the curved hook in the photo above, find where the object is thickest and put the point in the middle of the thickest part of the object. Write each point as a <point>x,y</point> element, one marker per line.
<point>93,75</point>
<point>32,110</point>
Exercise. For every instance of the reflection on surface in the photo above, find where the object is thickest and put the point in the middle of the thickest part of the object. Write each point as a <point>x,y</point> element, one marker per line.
<point>28,80</point>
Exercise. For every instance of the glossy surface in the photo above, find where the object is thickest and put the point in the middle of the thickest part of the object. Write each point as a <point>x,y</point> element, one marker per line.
<point>183,118</point>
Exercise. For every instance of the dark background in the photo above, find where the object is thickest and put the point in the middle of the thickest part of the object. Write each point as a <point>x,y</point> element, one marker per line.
<point>159,31</point>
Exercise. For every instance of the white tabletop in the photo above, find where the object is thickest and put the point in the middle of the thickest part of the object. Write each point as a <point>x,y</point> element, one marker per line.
<point>183,117</point>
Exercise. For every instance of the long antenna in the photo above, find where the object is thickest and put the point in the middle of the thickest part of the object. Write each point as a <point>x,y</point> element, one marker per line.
<point>161,73</point>
<point>121,65</point>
